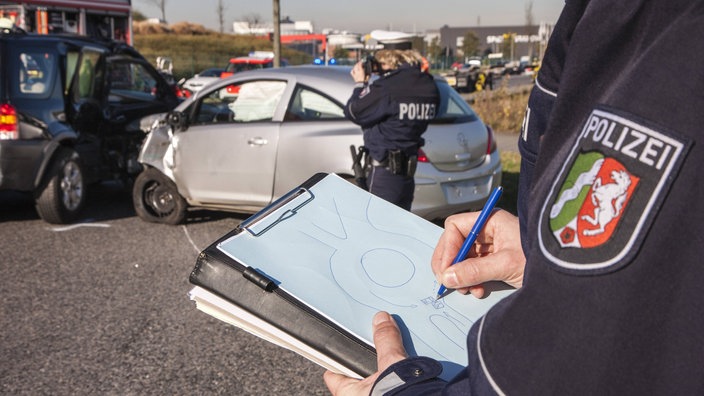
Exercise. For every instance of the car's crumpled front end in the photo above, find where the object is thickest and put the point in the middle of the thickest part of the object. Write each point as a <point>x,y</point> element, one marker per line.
<point>156,149</point>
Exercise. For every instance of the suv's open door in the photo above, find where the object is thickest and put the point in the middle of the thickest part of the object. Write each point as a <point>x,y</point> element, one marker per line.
<point>86,74</point>
<point>135,90</point>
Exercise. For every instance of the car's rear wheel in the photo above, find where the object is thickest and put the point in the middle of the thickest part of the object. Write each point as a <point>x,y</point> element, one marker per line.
<point>62,194</point>
<point>156,199</point>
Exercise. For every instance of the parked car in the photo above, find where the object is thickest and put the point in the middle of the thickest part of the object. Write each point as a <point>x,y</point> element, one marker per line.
<point>198,81</point>
<point>471,78</point>
<point>254,61</point>
<point>240,143</point>
<point>69,116</point>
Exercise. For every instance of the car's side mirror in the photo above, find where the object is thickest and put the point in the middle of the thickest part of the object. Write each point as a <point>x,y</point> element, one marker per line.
<point>177,120</point>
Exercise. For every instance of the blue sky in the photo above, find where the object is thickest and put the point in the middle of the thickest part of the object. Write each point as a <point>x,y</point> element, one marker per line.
<point>362,16</point>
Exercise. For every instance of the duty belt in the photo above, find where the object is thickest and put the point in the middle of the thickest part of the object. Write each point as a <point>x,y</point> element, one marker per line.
<point>398,163</point>
<point>383,163</point>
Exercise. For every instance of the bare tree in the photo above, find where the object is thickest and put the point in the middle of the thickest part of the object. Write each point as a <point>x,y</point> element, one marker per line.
<point>529,24</point>
<point>529,14</point>
<point>161,4</point>
<point>253,19</point>
<point>220,10</point>
<point>470,44</point>
<point>277,33</point>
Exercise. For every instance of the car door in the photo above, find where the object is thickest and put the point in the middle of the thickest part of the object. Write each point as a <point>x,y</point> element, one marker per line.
<point>315,137</point>
<point>85,74</point>
<point>134,90</point>
<point>227,156</point>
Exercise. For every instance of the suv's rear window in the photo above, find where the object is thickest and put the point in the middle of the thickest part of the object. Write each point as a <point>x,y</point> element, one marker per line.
<point>34,72</point>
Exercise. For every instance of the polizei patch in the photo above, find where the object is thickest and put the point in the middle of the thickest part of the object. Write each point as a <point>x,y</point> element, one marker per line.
<point>607,193</point>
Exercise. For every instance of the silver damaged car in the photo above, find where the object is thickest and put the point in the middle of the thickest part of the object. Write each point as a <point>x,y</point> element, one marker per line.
<point>242,142</point>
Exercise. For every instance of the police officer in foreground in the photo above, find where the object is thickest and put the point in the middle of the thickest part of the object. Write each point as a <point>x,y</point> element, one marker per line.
<point>611,212</point>
<point>393,110</point>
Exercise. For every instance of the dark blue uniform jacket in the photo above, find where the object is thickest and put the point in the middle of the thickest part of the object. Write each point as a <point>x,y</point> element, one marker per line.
<point>612,207</point>
<point>394,110</point>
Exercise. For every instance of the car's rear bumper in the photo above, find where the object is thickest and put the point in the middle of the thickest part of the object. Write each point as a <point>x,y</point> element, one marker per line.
<point>19,163</point>
<point>441,194</point>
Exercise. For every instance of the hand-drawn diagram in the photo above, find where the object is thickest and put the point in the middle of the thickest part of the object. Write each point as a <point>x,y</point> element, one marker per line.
<point>349,255</point>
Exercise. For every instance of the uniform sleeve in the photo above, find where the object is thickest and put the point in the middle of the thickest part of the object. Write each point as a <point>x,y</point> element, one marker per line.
<point>410,377</point>
<point>540,104</point>
<point>368,105</point>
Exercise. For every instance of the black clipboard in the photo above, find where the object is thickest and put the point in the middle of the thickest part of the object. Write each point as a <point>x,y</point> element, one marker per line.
<point>239,284</point>
<point>319,262</point>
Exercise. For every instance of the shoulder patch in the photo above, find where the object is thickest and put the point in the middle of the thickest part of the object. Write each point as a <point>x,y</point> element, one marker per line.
<point>365,91</point>
<point>607,193</point>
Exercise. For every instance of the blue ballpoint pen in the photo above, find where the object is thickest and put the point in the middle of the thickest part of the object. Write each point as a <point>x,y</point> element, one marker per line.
<point>476,229</point>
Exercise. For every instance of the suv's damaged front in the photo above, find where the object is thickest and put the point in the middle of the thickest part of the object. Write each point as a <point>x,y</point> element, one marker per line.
<point>69,116</point>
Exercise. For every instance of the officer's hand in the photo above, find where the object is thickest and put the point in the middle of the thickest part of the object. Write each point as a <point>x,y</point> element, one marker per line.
<point>357,73</point>
<point>496,255</point>
<point>389,350</point>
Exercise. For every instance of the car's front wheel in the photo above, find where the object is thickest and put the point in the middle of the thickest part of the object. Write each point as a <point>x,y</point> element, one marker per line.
<point>63,192</point>
<point>156,198</point>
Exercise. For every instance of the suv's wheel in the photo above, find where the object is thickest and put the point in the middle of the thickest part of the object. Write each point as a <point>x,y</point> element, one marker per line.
<point>156,198</point>
<point>63,192</point>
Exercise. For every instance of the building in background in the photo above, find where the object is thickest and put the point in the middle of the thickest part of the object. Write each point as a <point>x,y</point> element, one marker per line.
<point>108,19</point>
<point>496,44</point>
<point>514,42</point>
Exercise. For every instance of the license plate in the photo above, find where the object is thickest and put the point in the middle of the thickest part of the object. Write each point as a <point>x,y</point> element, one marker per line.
<point>465,191</point>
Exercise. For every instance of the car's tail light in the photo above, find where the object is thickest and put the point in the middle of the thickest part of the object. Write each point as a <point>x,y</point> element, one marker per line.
<point>182,92</point>
<point>491,141</point>
<point>8,123</point>
<point>421,156</point>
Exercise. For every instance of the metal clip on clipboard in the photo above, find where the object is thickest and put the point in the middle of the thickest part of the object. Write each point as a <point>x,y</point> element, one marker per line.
<point>280,210</point>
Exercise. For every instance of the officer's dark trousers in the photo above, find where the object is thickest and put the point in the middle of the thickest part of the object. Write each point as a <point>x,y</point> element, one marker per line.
<point>396,189</point>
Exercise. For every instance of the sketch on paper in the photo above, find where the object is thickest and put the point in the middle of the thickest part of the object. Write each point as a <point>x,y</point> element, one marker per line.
<point>349,254</point>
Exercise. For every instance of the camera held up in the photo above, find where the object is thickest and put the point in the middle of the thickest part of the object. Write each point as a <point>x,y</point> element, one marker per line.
<point>370,65</point>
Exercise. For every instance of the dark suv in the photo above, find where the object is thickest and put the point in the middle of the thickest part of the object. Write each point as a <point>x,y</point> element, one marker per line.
<point>69,116</point>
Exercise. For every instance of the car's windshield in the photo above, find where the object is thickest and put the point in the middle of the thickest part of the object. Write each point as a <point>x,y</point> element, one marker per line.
<point>131,81</point>
<point>211,73</point>
<point>240,67</point>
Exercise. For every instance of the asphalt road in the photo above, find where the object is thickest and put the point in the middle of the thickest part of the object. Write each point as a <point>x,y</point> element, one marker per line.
<point>101,308</point>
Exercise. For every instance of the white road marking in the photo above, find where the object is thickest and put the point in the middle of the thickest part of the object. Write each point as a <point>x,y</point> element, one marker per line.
<point>185,231</point>
<point>73,226</point>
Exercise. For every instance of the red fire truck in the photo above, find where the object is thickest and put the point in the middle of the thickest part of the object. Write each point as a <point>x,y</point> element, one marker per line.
<point>110,19</point>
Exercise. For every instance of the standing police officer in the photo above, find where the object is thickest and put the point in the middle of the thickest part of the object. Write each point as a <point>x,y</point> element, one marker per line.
<point>394,110</point>
<point>611,212</point>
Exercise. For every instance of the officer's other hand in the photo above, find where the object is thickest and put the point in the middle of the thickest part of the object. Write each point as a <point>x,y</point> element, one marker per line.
<point>496,255</point>
<point>357,73</point>
<point>389,350</point>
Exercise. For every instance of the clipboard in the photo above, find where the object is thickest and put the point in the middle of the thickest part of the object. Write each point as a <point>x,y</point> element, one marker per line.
<point>309,271</point>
